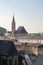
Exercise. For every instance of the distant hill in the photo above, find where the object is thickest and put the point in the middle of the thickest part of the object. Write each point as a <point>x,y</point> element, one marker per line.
<point>2,31</point>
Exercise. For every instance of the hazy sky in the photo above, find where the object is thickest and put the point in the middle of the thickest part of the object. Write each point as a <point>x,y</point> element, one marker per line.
<point>27,13</point>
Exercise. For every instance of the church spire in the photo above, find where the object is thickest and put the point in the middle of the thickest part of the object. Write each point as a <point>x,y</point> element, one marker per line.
<point>13,26</point>
<point>13,19</point>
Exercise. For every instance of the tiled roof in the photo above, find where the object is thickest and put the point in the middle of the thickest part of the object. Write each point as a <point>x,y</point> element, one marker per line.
<point>40,46</point>
<point>7,48</point>
<point>39,60</point>
<point>21,30</point>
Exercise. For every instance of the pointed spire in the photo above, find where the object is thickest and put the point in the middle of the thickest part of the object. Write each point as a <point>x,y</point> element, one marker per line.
<point>13,18</point>
<point>13,26</point>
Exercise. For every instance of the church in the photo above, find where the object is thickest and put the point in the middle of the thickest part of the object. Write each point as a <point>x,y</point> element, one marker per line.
<point>19,32</point>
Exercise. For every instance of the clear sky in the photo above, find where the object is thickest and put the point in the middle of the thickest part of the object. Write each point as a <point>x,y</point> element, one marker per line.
<point>27,13</point>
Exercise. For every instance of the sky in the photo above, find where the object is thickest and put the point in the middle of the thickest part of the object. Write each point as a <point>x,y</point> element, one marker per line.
<point>27,13</point>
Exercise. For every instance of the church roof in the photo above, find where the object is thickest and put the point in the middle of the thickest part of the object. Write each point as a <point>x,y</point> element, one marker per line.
<point>7,48</point>
<point>21,30</point>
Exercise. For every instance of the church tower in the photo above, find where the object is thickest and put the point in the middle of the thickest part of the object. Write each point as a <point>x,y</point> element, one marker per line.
<point>13,26</point>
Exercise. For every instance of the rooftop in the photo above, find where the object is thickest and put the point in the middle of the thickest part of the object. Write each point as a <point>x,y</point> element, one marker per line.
<point>39,60</point>
<point>21,30</point>
<point>40,46</point>
<point>7,48</point>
